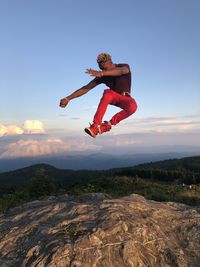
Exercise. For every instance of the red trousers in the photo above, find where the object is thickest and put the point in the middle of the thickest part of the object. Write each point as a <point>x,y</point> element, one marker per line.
<point>110,97</point>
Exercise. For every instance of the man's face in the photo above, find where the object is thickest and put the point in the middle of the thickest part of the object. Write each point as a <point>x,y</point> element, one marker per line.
<point>103,65</point>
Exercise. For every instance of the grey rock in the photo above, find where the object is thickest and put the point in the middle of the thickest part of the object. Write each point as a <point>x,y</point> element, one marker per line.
<point>97,231</point>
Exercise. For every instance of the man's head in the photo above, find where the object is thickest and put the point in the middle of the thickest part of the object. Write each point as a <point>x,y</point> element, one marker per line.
<point>104,60</point>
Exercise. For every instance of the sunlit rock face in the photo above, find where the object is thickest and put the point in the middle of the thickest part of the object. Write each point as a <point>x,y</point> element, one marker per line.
<point>97,231</point>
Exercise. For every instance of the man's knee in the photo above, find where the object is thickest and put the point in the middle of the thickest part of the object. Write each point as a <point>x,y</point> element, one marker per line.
<point>132,108</point>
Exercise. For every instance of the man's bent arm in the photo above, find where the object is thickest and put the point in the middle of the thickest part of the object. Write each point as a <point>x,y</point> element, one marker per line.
<point>116,71</point>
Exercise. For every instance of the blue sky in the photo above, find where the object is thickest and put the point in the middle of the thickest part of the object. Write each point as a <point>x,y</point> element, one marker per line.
<point>47,45</point>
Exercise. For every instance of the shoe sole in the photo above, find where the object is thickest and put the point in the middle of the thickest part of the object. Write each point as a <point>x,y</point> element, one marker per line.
<point>88,131</point>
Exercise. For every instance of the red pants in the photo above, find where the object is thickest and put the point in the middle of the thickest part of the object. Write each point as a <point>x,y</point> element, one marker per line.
<point>110,97</point>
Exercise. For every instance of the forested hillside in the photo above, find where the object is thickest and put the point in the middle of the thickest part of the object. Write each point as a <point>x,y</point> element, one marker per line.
<point>184,164</point>
<point>170,180</point>
<point>185,170</point>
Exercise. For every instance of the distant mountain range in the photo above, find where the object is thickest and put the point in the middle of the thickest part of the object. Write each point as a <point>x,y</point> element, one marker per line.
<point>93,161</point>
<point>20,176</point>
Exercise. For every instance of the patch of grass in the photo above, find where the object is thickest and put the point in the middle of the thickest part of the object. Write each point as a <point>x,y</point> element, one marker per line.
<point>72,231</point>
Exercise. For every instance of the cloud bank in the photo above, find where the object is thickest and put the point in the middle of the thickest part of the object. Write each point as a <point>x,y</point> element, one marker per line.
<point>51,146</point>
<point>162,124</point>
<point>136,135</point>
<point>29,127</point>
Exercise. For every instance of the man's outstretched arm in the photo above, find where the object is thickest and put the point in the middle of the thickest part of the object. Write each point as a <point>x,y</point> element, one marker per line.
<point>83,90</point>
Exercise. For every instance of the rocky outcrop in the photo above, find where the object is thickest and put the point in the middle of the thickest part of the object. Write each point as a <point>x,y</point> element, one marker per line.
<point>95,231</point>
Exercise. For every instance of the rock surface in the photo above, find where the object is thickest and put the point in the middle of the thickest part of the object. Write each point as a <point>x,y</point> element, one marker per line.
<point>95,231</point>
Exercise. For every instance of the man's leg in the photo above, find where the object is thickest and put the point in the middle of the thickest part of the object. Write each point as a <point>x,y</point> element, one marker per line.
<point>126,103</point>
<point>129,107</point>
<point>109,97</point>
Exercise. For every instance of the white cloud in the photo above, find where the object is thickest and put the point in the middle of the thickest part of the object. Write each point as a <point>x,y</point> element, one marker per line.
<point>162,124</point>
<point>29,127</point>
<point>33,127</point>
<point>33,148</point>
<point>10,130</point>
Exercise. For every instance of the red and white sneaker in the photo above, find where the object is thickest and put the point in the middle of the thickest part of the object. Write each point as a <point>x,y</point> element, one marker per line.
<point>93,130</point>
<point>105,127</point>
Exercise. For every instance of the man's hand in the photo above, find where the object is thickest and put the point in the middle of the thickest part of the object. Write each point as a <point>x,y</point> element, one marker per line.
<point>94,72</point>
<point>64,102</point>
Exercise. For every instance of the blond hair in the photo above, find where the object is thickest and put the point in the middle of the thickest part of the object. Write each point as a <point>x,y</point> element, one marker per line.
<point>103,57</point>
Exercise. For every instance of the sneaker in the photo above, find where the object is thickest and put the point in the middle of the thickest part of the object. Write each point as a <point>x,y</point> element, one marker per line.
<point>93,130</point>
<point>105,127</point>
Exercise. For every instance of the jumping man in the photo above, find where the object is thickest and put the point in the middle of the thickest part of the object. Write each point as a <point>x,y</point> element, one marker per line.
<point>118,78</point>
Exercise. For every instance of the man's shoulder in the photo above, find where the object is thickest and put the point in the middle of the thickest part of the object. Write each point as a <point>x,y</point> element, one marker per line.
<point>120,65</point>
